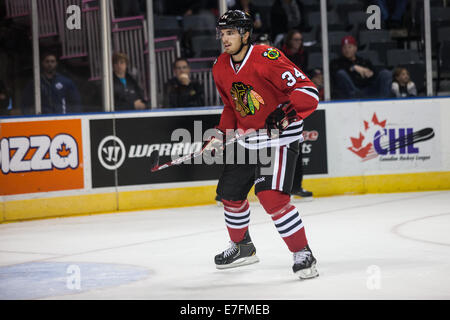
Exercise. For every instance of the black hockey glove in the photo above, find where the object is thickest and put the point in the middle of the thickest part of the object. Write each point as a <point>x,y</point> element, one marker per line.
<point>280,119</point>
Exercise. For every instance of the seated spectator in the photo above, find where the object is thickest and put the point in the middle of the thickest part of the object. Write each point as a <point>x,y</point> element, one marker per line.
<point>316,77</point>
<point>402,86</point>
<point>294,50</point>
<point>181,91</point>
<point>58,93</point>
<point>284,16</point>
<point>249,7</point>
<point>356,77</point>
<point>128,94</point>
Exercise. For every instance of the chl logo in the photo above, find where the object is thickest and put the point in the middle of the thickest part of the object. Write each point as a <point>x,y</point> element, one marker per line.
<point>111,152</point>
<point>377,140</point>
<point>38,153</point>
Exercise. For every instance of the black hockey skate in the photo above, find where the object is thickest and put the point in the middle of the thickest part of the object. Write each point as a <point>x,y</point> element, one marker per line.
<point>305,264</point>
<point>303,193</point>
<point>238,254</point>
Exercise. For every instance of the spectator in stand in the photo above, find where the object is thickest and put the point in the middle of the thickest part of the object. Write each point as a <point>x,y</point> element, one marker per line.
<point>392,13</point>
<point>294,50</point>
<point>286,15</point>
<point>402,86</point>
<point>316,77</point>
<point>249,7</point>
<point>181,91</point>
<point>355,77</point>
<point>59,94</point>
<point>128,94</point>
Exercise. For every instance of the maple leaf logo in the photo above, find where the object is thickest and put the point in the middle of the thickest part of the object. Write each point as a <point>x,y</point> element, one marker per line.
<point>63,152</point>
<point>363,149</point>
<point>378,123</point>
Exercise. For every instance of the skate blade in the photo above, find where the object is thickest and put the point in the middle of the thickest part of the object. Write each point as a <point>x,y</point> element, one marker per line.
<point>239,263</point>
<point>308,273</point>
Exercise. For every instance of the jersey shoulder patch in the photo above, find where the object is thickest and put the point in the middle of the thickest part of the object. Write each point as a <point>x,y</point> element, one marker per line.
<point>271,53</point>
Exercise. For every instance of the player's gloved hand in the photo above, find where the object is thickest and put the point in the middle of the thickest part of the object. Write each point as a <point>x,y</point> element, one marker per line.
<point>214,145</point>
<point>281,118</point>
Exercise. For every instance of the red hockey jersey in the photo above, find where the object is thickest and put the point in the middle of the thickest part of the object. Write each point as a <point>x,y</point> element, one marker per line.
<point>265,79</point>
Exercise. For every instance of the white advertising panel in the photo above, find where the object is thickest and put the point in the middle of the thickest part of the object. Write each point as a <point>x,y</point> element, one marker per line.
<point>382,137</point>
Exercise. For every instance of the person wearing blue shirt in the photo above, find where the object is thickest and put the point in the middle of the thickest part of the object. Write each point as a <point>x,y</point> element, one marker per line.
<point>59,94</point>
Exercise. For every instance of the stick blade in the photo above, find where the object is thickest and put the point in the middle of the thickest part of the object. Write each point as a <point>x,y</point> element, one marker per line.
<point>154,160</point>
<point>427,133</point>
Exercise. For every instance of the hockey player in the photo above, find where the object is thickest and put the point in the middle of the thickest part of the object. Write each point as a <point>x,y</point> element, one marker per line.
<point>260,89</point>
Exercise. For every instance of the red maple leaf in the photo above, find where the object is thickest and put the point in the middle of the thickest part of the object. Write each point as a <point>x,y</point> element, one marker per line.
<point>363,152</point>
<point>377,122</point>
<point>366,125</point>
<point>357,142</point>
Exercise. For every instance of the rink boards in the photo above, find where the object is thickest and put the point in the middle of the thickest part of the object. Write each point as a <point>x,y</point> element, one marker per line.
<point>84,164</point>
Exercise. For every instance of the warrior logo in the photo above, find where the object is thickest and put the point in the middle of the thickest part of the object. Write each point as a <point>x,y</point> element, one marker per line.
<point>246,99</point>
<point>111,152</point>
<point>271,53</point>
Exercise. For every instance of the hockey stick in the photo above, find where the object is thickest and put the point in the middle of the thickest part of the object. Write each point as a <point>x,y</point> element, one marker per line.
<point>154,156</point>
<point>415,137</point>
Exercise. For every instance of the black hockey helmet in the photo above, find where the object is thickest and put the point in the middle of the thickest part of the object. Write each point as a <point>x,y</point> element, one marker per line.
<point>235,19</point>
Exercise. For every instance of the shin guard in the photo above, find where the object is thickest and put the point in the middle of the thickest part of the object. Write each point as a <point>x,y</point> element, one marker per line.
<point>285,217</point>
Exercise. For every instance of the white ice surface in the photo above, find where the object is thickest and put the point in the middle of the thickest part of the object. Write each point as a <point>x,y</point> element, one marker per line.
<point>377,246</point>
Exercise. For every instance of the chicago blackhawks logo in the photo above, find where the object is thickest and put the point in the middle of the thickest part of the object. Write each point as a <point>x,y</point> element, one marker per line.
<point>246,99</point>
<point>271,53</point>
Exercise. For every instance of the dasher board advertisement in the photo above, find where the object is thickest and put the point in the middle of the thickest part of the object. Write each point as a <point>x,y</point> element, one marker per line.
<point>378,138</point>
<point>314,146</point>
<point>41,156</point>
<point>121,148</point>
